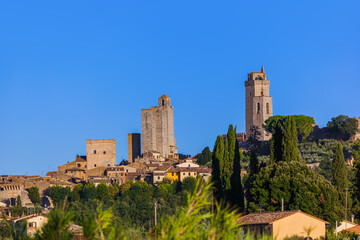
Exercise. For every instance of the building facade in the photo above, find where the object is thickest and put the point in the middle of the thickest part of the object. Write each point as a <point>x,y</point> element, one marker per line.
<point>134,146</point>
<point>157,128</point>
<point>258,103</point>
<point>100,153</point>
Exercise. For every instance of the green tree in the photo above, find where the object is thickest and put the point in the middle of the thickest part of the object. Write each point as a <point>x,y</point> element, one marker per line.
<point>102,192</point>
<point>76,192</point>
<point>217,164</point>
<point>89,192</point>
<point>58,194</point>
<point>34,195</point>
<point>290,148</point>
<point>284,141</point>
<point>237,192</point>
<point>189,184</point>
<point>304,124</point>
<point>339,172</point>
<point>229,154</point>
<point>204,157</point>
<point>299,187</point>
<point>254,164</point>
<point>325,168</point>
<point>342,127</point>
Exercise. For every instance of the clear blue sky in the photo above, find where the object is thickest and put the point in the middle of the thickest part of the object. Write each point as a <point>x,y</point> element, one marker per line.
<point>77,70</point>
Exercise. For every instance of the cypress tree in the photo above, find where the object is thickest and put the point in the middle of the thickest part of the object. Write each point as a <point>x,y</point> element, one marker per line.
<point>290,148</point>
<point>237,192</point>
<point>339,172</point>
<point>217,164</point>
<point>254,164</point>
<point>277,143</point>
<point>226,169</point>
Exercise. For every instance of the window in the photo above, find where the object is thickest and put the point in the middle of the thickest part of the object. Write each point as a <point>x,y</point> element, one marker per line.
<point>104,152</point>
<point>108,165</point>
<point>163,102</point>
<point>267,108</point>
<point>189,174</point>
<point>32,224</point>
<point>94,151</point>
<point>94,165</point>
<point>258,108</point>
<point>72,172</point>
<point>159,177</point>
<point>262,93</point>
<point>183,173</point>
<point>79,165</point>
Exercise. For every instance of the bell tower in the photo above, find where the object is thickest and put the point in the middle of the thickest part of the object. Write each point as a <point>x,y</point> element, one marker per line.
<point>258,102</point>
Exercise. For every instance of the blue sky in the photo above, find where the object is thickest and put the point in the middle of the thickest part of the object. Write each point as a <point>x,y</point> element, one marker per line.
<point>77,70</point>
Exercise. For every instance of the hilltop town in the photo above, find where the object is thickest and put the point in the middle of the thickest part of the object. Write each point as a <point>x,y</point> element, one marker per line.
<point>154,160</point>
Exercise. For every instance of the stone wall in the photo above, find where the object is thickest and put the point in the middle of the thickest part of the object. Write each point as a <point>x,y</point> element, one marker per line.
<point>100,153</point>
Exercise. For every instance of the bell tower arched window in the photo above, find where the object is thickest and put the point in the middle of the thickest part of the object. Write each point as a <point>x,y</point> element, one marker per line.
<point>258,108</point>
<point>163,102</point>
<point>267,108</point>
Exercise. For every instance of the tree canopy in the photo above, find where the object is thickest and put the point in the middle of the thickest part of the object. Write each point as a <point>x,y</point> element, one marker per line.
<point>304,124</point>
<point>343,127</point>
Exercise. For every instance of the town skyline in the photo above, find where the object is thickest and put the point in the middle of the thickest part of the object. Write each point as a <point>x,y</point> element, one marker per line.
<point>57,91</point>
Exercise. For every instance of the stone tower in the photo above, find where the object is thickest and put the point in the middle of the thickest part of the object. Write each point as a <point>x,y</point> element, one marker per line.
<point>100,153</point>
<point>134,146</point>
<point>157,128</point>
<point>258,102</point>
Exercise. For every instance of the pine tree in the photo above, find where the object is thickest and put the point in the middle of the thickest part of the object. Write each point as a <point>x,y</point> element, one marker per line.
<point>290,148</point>
<point>339,172</point>
<point>217,164</point>
<point>237,192</point>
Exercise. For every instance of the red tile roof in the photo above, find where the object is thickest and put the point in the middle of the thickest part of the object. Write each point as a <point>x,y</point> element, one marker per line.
<point>270,217</point>
<point>355,229</point>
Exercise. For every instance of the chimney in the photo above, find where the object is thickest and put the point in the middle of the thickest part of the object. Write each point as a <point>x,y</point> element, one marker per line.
<point>352,218</point>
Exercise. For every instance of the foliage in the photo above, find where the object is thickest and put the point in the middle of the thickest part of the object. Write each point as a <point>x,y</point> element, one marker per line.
<point>102,192</point>
<point>254,164</point>
<point>343,127</point>
<point>303,124</point>
<point>189,184</point>
<point>339,172</point>
<point>34,195</point>
<point>237,193</point>
<point>204,157</point>
<point>284,141</point>
<point>57,227</point>
<point>217,164</point>
<point>18,209</point>
<point>89,191</point>
<point>300,188</point>
<point>58,194</point>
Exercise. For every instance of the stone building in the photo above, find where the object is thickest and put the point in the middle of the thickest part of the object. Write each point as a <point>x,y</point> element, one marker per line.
<point>357,135</point>
<point>134,146</point>
<point>258,103</point>
<point>157,128</point>
<point>100,152</point>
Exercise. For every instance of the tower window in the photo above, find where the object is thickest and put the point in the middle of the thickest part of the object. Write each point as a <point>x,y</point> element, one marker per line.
<point>163,102</point>
<point>258,108</point>
<point>94,151</point>
<point>262,93</point>
<point>267,108</point>
<point>104,152</point>
<point>94,165</point>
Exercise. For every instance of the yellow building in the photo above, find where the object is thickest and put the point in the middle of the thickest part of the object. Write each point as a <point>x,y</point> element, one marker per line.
<point>173,173</point>
<point>284,224</point>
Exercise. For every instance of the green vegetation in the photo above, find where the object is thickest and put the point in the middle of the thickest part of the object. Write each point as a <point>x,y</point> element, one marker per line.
<point>303,124</point>
<point>342,127</point>
<point>34,195</point>
<point>205,157</point>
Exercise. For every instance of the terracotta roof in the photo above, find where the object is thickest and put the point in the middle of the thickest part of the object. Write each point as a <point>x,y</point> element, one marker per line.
<point>164,96</point>
<point>355,229</point>
<point>80,158</point>
<point>173,169</point>
<point>188,169</point>
<point>162,168</point>
<point>270,217</point>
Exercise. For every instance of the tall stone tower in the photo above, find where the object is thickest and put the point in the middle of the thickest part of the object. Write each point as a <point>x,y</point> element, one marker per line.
<point>157,128</point>
<point>258,102</point>
<point>100,153</point>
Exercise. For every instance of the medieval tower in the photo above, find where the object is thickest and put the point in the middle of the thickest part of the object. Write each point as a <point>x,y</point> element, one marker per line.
<point>157,128</point>
<point>258,102</point>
